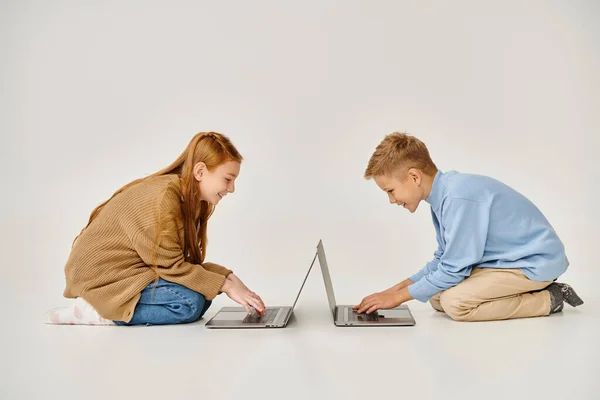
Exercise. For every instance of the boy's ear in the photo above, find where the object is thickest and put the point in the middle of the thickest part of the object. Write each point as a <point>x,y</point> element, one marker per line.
<point>415,175</point>
<point>199,169</point>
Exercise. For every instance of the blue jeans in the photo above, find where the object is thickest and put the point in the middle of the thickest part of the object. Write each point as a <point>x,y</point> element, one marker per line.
<point>165,303</point>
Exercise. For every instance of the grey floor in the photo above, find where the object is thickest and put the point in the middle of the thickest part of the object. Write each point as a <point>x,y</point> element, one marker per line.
<point>539,358</point>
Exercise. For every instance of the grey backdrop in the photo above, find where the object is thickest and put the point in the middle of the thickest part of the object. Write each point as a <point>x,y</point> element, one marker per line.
<point>95,95</point>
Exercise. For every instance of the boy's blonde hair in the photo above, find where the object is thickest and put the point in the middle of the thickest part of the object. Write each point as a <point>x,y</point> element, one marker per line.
<point>397,153</point>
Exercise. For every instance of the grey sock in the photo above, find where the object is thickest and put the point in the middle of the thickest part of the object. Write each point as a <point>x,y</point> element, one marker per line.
<point>561,293</point>
<point>556,298</point>
<point>569,295</point>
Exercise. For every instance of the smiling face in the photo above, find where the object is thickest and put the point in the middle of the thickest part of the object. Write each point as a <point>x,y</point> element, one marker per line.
<point>402,167</point>
<point>405,189</point>
<point>216,184</point>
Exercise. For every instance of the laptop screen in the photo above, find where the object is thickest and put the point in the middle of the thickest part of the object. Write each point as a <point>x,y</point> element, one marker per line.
<point>326,277</point>
<point>305,278</point>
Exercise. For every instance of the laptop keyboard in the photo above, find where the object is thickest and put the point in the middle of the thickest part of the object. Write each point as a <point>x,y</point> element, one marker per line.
<point>261,319</point>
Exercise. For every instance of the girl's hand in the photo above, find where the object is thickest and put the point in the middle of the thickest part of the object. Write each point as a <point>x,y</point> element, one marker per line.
<point>235,289</point>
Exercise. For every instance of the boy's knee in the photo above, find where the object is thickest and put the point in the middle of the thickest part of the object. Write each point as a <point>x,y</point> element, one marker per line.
<point>453,303</point>
<point>435,303</point>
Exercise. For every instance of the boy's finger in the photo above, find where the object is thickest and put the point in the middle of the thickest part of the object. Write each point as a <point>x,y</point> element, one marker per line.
<point>362,303</point>
<point>369,304</point>
<point>363,307</point>
<point>373,308</point>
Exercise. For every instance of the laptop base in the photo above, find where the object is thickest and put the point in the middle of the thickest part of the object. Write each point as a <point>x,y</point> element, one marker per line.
<point>233,317</point>
<point>399,316</point>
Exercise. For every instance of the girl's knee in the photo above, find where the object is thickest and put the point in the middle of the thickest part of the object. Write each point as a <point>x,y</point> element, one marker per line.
<point>196,305</point>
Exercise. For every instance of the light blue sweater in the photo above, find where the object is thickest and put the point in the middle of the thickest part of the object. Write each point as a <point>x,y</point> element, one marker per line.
<point>481,222</point>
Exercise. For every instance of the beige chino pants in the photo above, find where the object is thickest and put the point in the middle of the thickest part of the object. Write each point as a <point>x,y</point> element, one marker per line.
<point>491,294</point>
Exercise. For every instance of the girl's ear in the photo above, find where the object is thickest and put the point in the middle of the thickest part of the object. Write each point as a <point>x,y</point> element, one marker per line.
<point>199,170</point>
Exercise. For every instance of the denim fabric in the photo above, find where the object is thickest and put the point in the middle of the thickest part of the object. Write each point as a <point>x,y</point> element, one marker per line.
<point>166,303</point>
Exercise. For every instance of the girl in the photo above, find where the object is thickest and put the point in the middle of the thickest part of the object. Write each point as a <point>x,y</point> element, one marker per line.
<point>140,259</point>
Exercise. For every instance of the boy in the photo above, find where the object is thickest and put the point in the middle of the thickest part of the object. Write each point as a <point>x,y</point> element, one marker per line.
<point>497,256</point>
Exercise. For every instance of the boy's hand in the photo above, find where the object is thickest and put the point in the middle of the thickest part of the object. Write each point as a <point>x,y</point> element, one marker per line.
<point>382,301</point>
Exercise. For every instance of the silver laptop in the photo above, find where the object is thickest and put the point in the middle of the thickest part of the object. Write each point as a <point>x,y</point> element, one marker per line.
<point>346,316</point>
<point>237,317</point>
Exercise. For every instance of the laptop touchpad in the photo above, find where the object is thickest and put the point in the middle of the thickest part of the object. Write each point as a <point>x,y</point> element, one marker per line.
<point>231,316</point>
<point>394,313</point>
